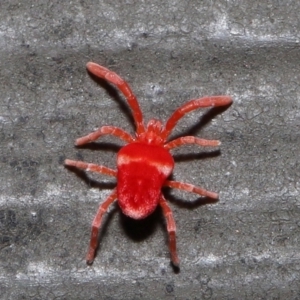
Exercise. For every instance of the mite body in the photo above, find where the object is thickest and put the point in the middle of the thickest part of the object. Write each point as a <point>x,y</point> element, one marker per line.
<point>142,171</point>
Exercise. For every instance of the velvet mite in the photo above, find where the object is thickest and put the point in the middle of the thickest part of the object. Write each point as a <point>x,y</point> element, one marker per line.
<point>144,163</point>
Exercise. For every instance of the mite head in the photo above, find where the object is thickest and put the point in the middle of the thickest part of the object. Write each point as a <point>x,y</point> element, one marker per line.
<point>152,134</point>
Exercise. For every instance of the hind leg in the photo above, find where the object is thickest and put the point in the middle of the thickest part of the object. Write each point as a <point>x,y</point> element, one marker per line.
<point>96,226</point>
<point>171,228</point>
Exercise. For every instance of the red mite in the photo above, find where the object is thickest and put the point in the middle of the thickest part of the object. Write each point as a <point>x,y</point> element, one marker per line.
<point>144,163</point>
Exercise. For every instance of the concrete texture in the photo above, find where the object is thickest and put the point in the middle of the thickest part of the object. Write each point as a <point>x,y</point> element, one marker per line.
<point>246,246</point>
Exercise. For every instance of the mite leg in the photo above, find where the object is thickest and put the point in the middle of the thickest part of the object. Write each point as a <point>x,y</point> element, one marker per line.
<point>115,131</point>
<point>90,167</point>
<point>96,226</point>
<point>171,228</point>
<point>210,101</point>
<point>191,188</point>
<point>191,140</point>
<point>123,86</point>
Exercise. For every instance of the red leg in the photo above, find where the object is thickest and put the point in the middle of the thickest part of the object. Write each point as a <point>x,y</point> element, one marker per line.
<point>210,101</point>
<point>171,228</point>
<point>115,131</point>
<point>113,78</point>
<point>191,188</point>
<point>96,226</point>
<point>191,140</point>
<point>90,167</point>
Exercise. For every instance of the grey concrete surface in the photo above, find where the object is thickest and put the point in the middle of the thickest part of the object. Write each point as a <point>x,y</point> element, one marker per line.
<point>246,246</point>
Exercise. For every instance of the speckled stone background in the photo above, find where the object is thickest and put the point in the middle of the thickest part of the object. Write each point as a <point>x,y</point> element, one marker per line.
<point>246,246</point>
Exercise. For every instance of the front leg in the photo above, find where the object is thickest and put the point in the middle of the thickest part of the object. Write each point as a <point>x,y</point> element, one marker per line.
<point>209,101</point>
<point>123,86</point>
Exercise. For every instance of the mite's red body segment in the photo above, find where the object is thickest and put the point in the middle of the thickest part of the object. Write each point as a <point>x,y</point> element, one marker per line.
<point>142,171</point>
<point>145,163</point>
